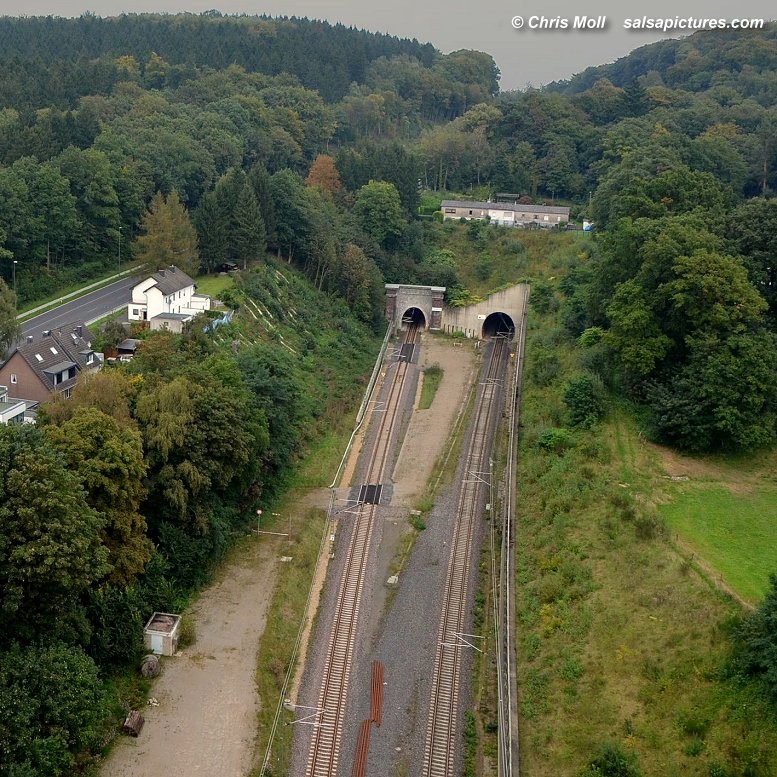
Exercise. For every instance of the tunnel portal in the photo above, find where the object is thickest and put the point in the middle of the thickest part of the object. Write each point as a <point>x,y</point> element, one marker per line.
<point>413,316</point>
<point>498,324</point>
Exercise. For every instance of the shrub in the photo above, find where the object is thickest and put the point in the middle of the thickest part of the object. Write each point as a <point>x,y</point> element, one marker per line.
<point>541,295</point>
<point>584,396</point>
<point>555,439</point>
<point>591,336</point>
<point>757,637</point>
<point>544,366</point>
<point>612,761</point>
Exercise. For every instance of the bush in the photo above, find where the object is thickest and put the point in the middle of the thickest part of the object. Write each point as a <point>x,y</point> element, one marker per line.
<point>544,366</point>
<point>757,637</point>
<point>584,395</point>
<point>591,336</point>
<point>541,295</point>
<point>555,439</point>
<point>612,761</point>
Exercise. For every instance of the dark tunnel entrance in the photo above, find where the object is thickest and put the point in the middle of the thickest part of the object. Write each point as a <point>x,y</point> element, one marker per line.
<point>413,316</point>
<point>498,325</point>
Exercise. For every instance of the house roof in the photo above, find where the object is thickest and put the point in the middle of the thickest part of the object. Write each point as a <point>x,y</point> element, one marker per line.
<point>66,346</point>
<point>171,280</point>
<point>59,367</point>
<point>172,317</point>
<point>555,209</point>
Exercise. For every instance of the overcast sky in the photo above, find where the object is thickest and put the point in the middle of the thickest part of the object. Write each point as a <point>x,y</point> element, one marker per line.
<point>524,56</point>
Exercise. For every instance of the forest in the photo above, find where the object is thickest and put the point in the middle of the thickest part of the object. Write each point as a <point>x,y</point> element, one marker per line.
<point>197,140</point>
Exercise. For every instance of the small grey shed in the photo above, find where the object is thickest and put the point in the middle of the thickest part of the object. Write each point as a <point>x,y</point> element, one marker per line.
<point>161,633</point>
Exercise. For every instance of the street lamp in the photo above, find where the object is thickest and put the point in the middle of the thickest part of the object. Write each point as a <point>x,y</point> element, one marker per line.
<point>14,275</point>
<point>119,248</point>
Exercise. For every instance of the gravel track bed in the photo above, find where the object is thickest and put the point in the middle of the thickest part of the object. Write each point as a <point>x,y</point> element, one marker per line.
<point>403,636</point>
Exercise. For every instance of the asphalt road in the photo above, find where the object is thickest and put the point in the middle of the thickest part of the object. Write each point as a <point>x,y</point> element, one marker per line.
<point>90,307</point>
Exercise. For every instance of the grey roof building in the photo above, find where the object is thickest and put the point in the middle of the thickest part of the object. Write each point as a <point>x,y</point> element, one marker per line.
<point>506,213</point>
<point>49,365</point>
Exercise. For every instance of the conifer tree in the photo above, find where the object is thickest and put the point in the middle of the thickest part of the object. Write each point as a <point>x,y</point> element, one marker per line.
<point>169,237</point>
<point>248,238</point>
<point>212,229</point>
<point>324,175</point>
<point>259,179</point>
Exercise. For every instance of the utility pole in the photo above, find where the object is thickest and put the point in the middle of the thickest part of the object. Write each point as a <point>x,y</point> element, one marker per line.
<point>14,275</point>
<point>120,247</point>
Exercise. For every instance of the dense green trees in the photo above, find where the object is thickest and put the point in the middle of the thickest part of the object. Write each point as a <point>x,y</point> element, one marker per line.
<point>51,550</point>
<point>52,706</point>
<point>9,328</point>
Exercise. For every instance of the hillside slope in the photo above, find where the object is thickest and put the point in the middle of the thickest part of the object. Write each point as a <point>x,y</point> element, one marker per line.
<point>745,61</point>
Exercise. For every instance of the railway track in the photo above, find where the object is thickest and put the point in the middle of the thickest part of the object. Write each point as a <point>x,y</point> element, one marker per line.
<point>324,753</point>
<point>507,682</point>
<point>441,734</point>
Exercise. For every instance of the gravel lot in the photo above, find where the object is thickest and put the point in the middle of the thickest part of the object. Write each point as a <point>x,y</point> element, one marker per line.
<point>205,723</point>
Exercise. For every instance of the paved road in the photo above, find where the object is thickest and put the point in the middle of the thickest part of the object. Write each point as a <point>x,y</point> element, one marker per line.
<point>91,306</point>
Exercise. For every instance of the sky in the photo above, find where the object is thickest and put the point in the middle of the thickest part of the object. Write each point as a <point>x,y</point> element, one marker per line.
<point>525,56</point>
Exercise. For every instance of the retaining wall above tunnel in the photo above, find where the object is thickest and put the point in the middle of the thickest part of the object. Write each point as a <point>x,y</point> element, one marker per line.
<point>471,318</point>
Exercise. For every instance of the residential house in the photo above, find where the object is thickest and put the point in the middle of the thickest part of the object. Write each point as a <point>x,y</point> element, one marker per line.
<point>166,292</point>
<point>511,214</point>
<point>11,410</point>
<point>39,369</point>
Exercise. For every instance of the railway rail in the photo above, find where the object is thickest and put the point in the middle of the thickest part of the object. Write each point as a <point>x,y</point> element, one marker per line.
<point>324,753</point>
<point>507,682</point>
<point>441,735</point>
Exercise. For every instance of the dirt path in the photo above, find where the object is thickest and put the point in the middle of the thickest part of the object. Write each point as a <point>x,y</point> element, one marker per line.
<point>429,429</point>
<point>206,719</point>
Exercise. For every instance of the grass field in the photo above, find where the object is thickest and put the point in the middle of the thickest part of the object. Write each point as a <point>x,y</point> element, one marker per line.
<point>432,378</point>
<point>620,641</point>
<point>735,533</point>
<point>213,285</point>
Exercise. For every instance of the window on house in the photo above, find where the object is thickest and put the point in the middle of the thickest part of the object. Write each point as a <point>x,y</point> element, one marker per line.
<point>134,311</point>
<point>66,393</point>
<point>13,377</point>
<point>544,218</point>
<point>38,357</point>
<point>54,351</point>
<point>89,358</point>
<point>470,213</point>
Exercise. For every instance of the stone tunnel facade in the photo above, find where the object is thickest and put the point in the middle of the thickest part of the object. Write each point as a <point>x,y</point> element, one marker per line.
<point>428,299</point>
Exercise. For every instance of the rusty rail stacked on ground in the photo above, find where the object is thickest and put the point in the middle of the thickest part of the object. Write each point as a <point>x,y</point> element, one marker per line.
<point>441,735</point>
<point>324,754</point>
<point>376,716</point>
<point>376,702</point>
